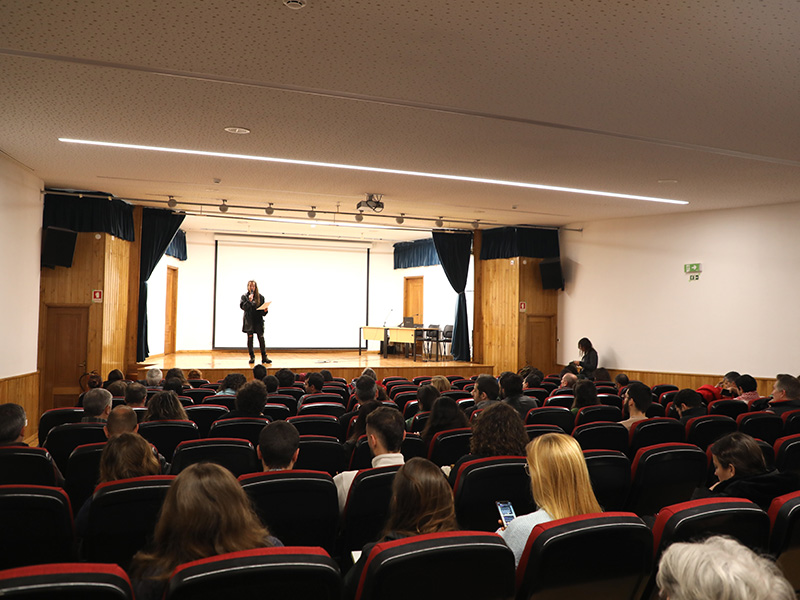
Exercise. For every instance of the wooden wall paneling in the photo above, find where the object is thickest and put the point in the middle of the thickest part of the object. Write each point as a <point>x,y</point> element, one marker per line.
<point>539,320</point>
<point>24,390</point>
<point>132,320</point>
<point>115,303</point>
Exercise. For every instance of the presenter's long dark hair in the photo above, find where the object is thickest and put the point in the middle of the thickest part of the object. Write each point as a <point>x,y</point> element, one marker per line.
<point>584,345</point>
<point>255,291</point>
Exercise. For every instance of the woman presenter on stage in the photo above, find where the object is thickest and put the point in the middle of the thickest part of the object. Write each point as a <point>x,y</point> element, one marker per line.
<point>254,307</point>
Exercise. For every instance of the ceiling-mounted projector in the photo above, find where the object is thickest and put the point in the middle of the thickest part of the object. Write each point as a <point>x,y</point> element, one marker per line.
<point>373,202</point>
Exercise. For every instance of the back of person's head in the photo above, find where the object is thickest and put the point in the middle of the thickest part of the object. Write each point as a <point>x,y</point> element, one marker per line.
<point>326,375</point>
<point>127,455</point>
<point>511,384</point>
<point>621,380</point>
<point>360,426</point>
<point>272,383</point>
<point>259,372</point>
<point>486,384</point>
<point>441,383</point>
<point>789,384</point>
<point>121,420</point>
<point>315,380</point>
<point>369,373</point>
<point>740,451</point>
<point>178,373</point>
<point>570,368</point>
<point>366,389</point>
<point>426,395</point>
<point>117,388</point>
<point>115,375</point>
<point>285,378</point>
<point>251,398</point>
<point>94,380</point>
<point>498,430</point>
<point>532,380</point>
<point>205,513</point>
<point>585,394</point>
<point>387,425</point>
<point>730,377</point>
<point>277,444</point>
<point>746,383</point>
<point>687,397</point>
<point>559,478</point>
<point>568,380</point>
<point>233,381</point>
<point>719,568</point>
<point>422,500</point>
<point>173,384</point>
<point>602,374</point>
<point>195,374</point>
<point>153,376</point>
<point>584,345</point>
<point>95,402</point>
<point>445,415</point>
<point>641,395</point>
<point>12,422</point>
<point>136,394</point>
<point>164,406</point>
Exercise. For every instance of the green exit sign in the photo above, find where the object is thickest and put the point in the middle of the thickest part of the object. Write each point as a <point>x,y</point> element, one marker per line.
<point>692,268</point>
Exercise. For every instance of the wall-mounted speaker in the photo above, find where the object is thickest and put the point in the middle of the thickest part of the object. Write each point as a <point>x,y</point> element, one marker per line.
<point>58,247</point>
<point>552,277</point>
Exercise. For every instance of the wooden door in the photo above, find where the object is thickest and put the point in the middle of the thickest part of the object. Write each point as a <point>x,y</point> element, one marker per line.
<point>171,317</point>
<point>65,352</point>
<point>413,298</point>
<point>540,343</point>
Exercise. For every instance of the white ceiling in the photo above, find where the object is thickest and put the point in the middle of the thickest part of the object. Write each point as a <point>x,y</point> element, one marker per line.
<point>603,95</point>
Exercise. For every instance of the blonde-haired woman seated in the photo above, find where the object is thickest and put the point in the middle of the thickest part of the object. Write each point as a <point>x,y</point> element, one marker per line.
<point>206,513</point>
<point>560,485</point>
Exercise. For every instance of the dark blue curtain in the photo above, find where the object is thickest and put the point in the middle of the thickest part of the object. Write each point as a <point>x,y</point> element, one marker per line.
<point>419,253</point>
<point>177,247</point>
<point>507,242</point>
<point>454,251</point>
<point>88,214</point>
<point>158,228</point>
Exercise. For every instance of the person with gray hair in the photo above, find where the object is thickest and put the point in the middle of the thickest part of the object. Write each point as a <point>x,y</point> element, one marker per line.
<point>96,405</point>
<point>12,424</point>
<point>153,377</point>
<point>716,568</point>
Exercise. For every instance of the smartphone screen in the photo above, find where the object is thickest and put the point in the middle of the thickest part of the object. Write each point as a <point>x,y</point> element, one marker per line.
<point>506,511</point>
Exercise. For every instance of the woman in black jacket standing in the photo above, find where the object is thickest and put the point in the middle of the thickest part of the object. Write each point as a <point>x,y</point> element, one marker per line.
<point>253,320</point>
<point>588,361</point>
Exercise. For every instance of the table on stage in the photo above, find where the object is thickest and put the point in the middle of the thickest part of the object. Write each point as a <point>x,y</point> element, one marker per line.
<point>400,335</point>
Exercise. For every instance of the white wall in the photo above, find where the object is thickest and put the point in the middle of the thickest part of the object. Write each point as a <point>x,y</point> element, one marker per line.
<point>20,248</point>
<point>627,291</point>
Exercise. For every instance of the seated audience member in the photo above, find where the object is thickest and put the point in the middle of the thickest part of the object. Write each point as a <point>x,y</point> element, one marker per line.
<point>533,379</point>
<point>285,378</point>
<point>745,389</point>
<point>135,395</point>
<point>93,381</point>
<point>637,399</point>
<point>96,405</point>
<point>250,400</point>
<point>585,395</point>
<point>560,485</point>
<point>369,372</point>
<point>259,372</point>
<point>13,422</point>
<point>360,425</point>
<point>496,431</point>
<point>278,446</point>
<point>568,381</point>
<point>426,396</point>
<point>272,384</point>
<point>173,384</point>
<point>326,375</point>
<point>195,374</point>
<point>153,377</point>
<point>719,567</point>
<point>445,415</point>
<point>114,375</point>
<point>621,381</point>
<point>122,419</point>
<point>206,513</point>
<point>422,503</point>
<point>727,385</point>
<point>117,388</point>
<point>366,389</point>
<point>313,385</point>
<point>441,383</point>
<point>177,373</point>
<point>164,406</point>
<point>742,472</point>
<point>688,404</point>
<point>486,391</point>
<point>511,393</point>
<point>125,455</point>
<point>385,434</point>
<point>785,394</point>
<point>602,375</point>
<point>231,384</point>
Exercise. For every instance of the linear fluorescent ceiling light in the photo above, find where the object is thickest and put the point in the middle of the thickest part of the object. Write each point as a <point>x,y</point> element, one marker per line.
<point>311,163</point>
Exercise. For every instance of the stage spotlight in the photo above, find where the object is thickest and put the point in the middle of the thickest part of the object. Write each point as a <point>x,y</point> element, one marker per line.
<point>312,213</point>
<point>400,219</point>
<point>269,210</point>
<point>359,217</point>
<point>224,206</point>
<point>172,203</point>
<point>439,222</point>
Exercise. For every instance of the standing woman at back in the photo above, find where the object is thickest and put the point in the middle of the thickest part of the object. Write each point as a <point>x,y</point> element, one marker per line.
<point>253,320</point>
<point>588,361</point>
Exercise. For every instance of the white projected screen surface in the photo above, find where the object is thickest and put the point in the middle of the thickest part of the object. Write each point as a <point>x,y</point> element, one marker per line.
<point>318,293</point>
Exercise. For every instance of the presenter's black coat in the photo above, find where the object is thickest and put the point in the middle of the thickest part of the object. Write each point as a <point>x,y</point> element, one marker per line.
<point>253,320</point>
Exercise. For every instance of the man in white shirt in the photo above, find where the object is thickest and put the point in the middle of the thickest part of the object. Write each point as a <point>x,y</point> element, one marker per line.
<point>385,434</point>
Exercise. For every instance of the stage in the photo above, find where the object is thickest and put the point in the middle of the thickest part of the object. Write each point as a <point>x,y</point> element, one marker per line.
<point>342,363</point>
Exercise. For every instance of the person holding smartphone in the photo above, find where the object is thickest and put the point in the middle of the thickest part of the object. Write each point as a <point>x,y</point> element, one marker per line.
<point>253,320</point>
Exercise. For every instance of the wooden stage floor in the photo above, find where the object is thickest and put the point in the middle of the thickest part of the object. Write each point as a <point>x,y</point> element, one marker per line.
<point>342,363</point>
